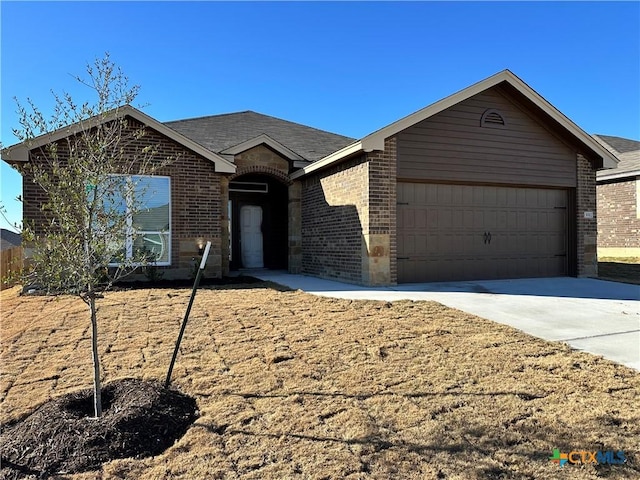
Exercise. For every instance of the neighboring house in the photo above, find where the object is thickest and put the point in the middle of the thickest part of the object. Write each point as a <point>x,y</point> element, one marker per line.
<point>619,200</point>
<point>491,182</point>
<point>9,239</point>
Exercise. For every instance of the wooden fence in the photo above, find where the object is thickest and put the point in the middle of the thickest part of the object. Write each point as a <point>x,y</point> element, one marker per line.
<point>11,264</point>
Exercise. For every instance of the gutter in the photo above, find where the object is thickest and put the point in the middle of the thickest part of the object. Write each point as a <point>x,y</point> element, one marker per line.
<point>613,176</point>
<point>329,159</point>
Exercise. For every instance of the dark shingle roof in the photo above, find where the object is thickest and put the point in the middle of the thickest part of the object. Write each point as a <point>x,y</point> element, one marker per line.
<point>9,239</point>
<point>627,150</point>
<point>619,144</point>
<point>219,132</point>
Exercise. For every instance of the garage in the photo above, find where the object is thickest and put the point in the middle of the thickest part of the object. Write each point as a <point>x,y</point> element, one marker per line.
<point>462,232</point>
<point>491,182</point>
<point>485,190</point>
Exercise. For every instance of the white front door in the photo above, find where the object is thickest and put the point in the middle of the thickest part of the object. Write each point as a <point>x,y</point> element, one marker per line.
<point>251,236</point>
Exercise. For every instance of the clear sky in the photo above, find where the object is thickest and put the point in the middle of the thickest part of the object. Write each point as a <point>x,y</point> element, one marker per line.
<point>349,68</point>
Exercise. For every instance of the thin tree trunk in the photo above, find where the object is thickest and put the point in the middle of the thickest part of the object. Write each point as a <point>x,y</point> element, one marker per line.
<point>97,387</point>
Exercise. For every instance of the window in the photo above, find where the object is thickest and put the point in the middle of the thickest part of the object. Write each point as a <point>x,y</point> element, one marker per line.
<point>250,187</point>
<point>148,205</point>
<point>637,197</point>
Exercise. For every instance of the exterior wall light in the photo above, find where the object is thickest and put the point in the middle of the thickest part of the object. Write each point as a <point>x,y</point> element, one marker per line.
<point>200,243</point>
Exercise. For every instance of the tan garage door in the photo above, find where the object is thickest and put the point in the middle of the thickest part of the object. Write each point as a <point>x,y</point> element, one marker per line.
<point>465,232</point>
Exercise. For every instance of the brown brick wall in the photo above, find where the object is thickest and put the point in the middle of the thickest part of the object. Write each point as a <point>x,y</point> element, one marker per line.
<point>195,204</point>
<point>334,206</point>
<point>349,220</point>
<point>380,261</point>
<point>586,228</point>
<point>295,227</point>
<point>618,222</point>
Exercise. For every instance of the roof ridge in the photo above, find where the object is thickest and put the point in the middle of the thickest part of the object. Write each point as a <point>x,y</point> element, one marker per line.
<point>261,115</point>
<point>202,117</point>
<point>299,124</point>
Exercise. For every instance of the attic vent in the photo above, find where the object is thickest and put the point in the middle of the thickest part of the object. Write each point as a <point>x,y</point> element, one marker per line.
<point>492,118</point>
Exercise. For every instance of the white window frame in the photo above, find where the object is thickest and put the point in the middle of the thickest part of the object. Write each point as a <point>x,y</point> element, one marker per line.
<point>130,233</point>
<point>638,197</point>
<point>258,187</point>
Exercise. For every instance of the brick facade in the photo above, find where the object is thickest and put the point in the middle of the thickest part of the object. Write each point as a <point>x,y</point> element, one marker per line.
<point>619,217</point>
<point>339,221</point>
<point>196,203</point>
<point>334,209</point>
<point>295,227</point>
<point>349,220</point>
<point>379,254</point>
<point>587,261</point>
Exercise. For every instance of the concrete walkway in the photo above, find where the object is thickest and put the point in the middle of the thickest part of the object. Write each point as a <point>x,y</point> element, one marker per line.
<point>592,315</point>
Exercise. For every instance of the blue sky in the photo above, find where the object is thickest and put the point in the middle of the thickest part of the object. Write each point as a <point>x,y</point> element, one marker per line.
<point>350,68</point>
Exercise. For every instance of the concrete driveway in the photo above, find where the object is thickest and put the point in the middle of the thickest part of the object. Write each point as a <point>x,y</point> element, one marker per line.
<point>592,315</point>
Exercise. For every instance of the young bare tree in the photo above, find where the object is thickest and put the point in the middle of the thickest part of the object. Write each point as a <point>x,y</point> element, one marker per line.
<point>97,185</point>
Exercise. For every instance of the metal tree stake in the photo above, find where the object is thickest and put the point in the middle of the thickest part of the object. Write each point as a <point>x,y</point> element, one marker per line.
<point>186,315</point>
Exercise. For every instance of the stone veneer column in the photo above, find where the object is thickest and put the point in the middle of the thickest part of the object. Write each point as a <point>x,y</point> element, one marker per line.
<point>586,227</point>
<point>295,227</point>
<point>379,262</point>
<point>224,225</point>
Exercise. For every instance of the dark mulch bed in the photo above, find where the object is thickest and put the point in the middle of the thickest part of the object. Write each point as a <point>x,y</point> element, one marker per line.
<point>232,282</point>
<point>187,283</point>
<point>139,419</point>
<point>618,271</point>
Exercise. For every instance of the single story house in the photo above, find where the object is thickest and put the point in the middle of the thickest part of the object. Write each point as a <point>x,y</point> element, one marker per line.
<point>619,200</point>
<point>490,182</point>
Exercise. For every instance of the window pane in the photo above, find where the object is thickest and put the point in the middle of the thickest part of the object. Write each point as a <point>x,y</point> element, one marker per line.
<point>151,202</point>
<point>111,213</point>
<point>116,248</point>
<point>113,191</point>
<point>154,247</point>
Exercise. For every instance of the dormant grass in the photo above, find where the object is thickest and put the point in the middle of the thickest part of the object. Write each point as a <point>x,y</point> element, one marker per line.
<point>291,385</point>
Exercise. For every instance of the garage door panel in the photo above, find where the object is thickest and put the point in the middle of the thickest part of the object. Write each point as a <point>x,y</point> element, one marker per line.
<point>443,232</point>
<point>444,219</point>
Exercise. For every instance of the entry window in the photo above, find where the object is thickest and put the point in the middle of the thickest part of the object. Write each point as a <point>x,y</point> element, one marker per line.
<point>251,187</point>
<point>638,197</point>
<point>146,200</point>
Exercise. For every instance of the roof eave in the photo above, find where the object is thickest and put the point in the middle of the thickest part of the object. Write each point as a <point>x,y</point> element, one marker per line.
<point>343,153</point>
<point>221,164</point>
<point>375,140</point>
<point>19,153</point>
<point>15,154</point>
<point>617,176</point>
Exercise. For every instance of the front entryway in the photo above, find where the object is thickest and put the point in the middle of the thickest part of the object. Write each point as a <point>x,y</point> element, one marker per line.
<point>258,214</point>
<point>251,234</point>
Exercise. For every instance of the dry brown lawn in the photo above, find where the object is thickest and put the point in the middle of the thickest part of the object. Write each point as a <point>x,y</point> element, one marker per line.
<point>291,385</point>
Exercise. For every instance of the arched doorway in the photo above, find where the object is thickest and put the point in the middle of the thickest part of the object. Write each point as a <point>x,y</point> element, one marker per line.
<point>258,214</point>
